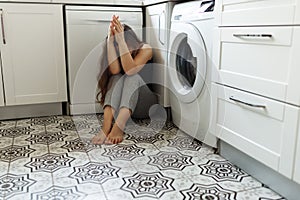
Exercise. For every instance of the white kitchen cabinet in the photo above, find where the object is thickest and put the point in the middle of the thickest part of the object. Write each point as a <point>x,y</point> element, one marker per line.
<point>157,27</point>
<point>262,60</point>
<point>257,12</point>
<point>263,128</point>
<point>256,96</point>
<point>32,52</point>
<point>86,30</point>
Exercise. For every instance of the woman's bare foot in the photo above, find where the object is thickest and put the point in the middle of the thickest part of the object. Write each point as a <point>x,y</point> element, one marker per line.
<point>115,136</point>
<point>99,138</point>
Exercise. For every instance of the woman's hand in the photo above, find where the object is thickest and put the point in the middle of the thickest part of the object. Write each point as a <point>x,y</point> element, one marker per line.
<point>110,33</point>
<point>117,29</point>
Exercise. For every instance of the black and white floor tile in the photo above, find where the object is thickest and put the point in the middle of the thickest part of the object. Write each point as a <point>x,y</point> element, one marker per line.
<point>53,158</point>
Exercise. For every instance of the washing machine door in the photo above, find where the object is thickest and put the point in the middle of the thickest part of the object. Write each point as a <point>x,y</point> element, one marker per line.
<point>187,61</point>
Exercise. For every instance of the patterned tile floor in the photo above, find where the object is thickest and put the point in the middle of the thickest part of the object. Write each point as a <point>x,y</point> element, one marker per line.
<point>52,158</point>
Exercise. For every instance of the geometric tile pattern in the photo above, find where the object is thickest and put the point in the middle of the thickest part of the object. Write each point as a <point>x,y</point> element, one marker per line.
<point>78,145</point>
<point>11,185</point>
<point>213,191</point>
<point>15,131</point>
<point>73,125</point>
<point>94,130</point>
<point>59,193</point>
<point>14,152</point>
<point>153,185</point>
<point>123,152</point>
<point>82,125</point>
<point>169,126</point>
<point>70,126</point>
<point>154,124</point>
<point>222,171</point>
<point>87,117</point>
<point>49,162</point>
<point>46,138</point>
<point>170,160</point>
<point>185,143</point>
<point>144,137</point>
<point>44,121</point>
<point>85,173</point>
<point>93,172</point>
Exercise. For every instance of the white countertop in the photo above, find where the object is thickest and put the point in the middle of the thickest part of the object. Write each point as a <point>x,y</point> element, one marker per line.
<point>102,2</point>
<point>95,2</point>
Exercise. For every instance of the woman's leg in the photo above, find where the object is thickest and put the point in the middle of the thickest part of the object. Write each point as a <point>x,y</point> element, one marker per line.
<point>108,116</point>
<point>145,101</point>
<point>128,103</point>
<point>110,105</point>
<point>116,134</point>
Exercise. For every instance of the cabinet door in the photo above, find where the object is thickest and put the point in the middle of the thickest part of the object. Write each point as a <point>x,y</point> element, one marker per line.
<point>157,26</point>
<point>33,54</point>
<point>263,128</point>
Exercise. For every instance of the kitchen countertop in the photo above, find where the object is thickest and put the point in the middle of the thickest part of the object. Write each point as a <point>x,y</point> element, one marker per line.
<point>102,2</point>
<point>92,2</point>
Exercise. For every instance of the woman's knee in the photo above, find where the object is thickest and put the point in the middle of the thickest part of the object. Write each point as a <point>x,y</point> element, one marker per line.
<point>132,80</point>
<point>115,77</point>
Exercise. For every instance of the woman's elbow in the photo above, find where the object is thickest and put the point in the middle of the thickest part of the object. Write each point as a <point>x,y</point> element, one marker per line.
<point>130,72</point>
<point>115,71</point>
<point>133,70</point>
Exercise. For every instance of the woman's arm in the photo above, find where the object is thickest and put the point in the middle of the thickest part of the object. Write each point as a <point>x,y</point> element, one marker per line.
<point>112,58</point>
<point>130,65</point>
<point>134,65</point>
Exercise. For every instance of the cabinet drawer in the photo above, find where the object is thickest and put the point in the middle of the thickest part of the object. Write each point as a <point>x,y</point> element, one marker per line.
<point>257,59</point>
<point>257,12</point>
<point>262,128</point>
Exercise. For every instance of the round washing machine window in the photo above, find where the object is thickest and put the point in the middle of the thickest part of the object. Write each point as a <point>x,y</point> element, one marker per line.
<point>187,62</point>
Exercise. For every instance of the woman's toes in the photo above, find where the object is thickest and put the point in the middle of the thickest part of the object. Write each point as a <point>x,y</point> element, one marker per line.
<point>108,141</point>
<point>99,138</point>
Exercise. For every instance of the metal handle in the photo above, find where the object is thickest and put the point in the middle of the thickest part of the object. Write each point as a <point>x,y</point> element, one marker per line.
<point>2,27</point>
<point>248,104</point>
<point>98,20</point>
<point>105,20</point>
<point>159,27</point>
<point>253,35</point>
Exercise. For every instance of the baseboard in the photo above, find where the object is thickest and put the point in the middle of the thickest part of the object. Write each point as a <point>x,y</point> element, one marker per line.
<point>85,108</point>
<point>26,111</point>
<point>275,181</point>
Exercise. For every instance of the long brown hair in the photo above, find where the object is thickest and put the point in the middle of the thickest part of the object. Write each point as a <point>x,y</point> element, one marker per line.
<point>134,44</point>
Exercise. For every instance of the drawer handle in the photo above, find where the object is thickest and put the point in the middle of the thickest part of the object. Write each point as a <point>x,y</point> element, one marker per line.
<point>2,27</point>
<point>105,20</point>
<point>253,35</point>
<point>248,104</point>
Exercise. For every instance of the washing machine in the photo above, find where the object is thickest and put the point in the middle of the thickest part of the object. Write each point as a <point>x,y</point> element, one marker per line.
<point>190,66</point>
